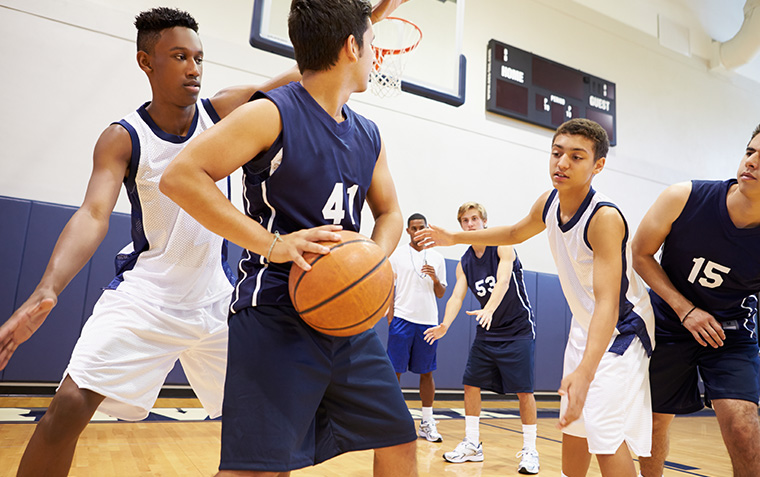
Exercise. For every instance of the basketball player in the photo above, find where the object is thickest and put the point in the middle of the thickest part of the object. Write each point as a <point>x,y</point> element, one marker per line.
<point>420,278</point>
<point>293,396</point>
<point>174,277</point>
<point>605,386</point>
<point>703,294</point>
<point>502,355</point>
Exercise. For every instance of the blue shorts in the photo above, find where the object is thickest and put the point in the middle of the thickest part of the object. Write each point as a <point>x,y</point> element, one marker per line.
<point>294,397</point>
<point>501,366</point>
<point>408,349</point>
<point>728,372</point>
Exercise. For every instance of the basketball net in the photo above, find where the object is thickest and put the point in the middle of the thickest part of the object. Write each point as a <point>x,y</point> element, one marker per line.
<point>394,38</point>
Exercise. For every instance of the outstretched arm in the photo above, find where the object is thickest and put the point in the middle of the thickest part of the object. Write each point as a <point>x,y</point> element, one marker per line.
<point>605,233</point>
<point>503,277</point>
<point>77,242</point>
<point>529,226</point>
<point>651,234</point>
<point>452,308</point>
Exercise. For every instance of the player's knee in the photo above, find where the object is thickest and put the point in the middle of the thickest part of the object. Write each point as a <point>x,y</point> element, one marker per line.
<point>744,431</point>
<point>72,408</point>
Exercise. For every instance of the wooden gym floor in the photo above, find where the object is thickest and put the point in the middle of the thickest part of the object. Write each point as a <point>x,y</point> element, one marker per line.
<point>191,448</point>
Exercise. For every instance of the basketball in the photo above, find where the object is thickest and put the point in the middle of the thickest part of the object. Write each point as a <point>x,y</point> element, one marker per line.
<point>347,290</point>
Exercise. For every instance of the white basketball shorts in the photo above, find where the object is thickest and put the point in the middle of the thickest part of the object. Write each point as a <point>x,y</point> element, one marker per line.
<point>618,405</point>
<point>128,346</point>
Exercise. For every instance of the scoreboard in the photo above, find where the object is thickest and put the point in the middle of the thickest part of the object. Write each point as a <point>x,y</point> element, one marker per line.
<point>530,88</point>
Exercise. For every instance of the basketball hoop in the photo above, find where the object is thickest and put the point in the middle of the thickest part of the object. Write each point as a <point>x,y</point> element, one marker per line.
<point>394,38</point>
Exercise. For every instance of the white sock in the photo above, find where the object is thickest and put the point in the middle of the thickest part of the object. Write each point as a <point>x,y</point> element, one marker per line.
<point>472,428</point>
<point>427,414</point>
<point>529,436</point>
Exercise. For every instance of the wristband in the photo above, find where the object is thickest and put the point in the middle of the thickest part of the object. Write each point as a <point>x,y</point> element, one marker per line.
<point>687,314</point>
<point>276,239</point>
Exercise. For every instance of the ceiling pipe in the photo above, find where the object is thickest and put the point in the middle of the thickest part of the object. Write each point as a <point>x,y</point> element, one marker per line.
<point>745,45</point>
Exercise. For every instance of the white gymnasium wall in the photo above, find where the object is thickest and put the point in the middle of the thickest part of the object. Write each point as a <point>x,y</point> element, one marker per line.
<point>69,70</point>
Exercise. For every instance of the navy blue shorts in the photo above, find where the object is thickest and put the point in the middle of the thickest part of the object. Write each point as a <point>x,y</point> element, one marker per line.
<point>728,372</point>
<point>294,397</point>
<point>501,366</point>
<point>408,349</point>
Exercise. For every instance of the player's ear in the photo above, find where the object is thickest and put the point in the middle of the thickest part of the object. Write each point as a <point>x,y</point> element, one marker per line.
<point>352,48</point>
<point>599,165</point>
<point>144,62</point>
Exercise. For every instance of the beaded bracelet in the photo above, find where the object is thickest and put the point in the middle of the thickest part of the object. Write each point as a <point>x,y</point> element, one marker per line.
<point>276,239</point>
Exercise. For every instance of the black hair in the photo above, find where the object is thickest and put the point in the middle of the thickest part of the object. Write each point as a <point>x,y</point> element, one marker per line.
<point>318,29</point>
<point>415,216</point>
<point>588,129</point>
<point>151,23</point>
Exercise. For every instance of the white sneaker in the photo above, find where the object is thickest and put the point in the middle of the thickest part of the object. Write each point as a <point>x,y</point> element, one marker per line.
<point>429,431</point>
<point>529,461</point>
<point>465,451</point>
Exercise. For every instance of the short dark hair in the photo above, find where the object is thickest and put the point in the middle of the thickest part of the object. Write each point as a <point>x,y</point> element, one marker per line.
<point>151,23</point>
<point>755,133</point>
<point>415,216</point>
<point>588,129</point>
<point>318,29</point>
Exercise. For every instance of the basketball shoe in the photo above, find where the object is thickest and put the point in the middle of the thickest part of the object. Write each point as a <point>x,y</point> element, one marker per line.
<point>465,451</point>
<point>529,461</point>
<point>429,431</point>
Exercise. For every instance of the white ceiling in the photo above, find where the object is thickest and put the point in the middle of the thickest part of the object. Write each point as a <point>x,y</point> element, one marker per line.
<point>706,21</point>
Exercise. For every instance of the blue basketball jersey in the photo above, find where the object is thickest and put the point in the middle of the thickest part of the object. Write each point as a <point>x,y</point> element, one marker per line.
<point>317,172</point>
<point>513,318</point>
<point>714,264</point>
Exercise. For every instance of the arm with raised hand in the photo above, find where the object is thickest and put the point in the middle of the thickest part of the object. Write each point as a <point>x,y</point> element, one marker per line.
<point>78,241</point>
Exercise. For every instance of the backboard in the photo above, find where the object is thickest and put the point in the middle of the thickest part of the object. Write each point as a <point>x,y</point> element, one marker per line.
<point>434,70</point>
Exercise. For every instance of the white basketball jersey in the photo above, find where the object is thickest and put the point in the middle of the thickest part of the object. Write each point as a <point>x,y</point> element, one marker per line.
<point>415,299</point>
<point>575,265</point>
<point>173,260</point>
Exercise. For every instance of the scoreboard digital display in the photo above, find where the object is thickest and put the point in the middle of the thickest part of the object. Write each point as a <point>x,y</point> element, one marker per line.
<point>525,86</point>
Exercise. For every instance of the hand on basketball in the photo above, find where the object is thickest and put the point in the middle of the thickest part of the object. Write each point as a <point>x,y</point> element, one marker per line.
<point>483,317</point>
<point>295,244</point>
<point>24,322</point>
<point>384,8</point>
<point>704,328</point>
<point>435,333</point>
<point>575,387</point>
<point>433,236</point>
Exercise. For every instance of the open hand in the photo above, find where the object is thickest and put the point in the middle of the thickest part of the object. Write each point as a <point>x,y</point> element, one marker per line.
<point>24,322</point>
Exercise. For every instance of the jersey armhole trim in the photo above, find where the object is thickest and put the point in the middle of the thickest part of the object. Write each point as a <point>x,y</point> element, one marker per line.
<point>593,212</point>
<point>209,107</point>
<point>549,200</point>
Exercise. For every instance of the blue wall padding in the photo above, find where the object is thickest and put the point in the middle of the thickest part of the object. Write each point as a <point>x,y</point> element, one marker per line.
<point>30,230</point>
<point>45,355</point>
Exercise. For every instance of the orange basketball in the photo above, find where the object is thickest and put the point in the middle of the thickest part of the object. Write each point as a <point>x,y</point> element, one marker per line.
<point>346,291</point>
